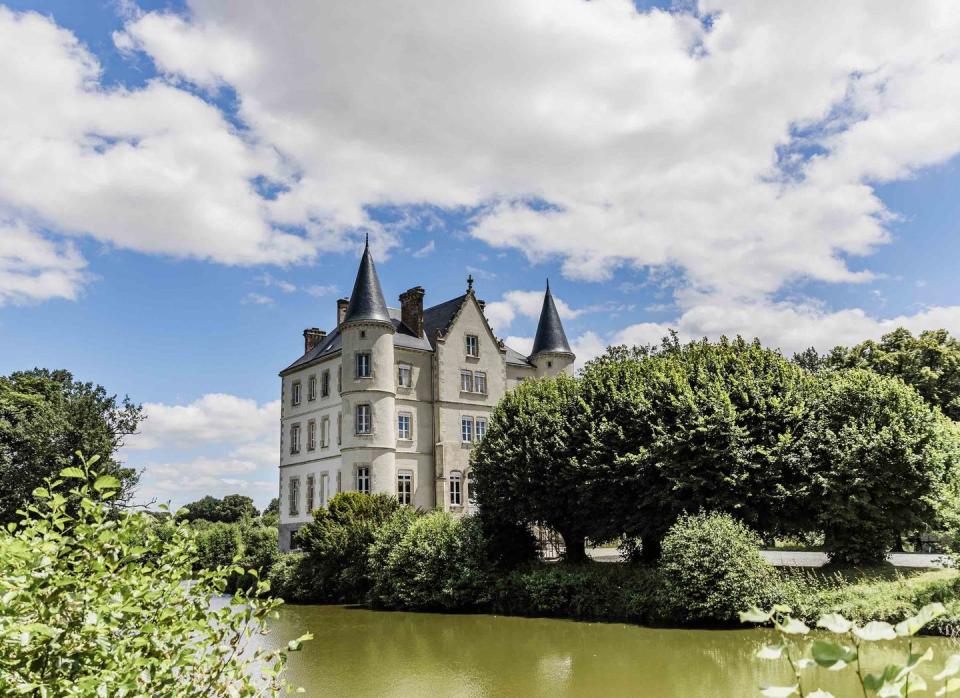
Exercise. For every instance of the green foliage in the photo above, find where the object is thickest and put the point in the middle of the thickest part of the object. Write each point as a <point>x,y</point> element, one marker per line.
<point>217,544</point>
<point>528,467</point>
<point>701,425</point>
<point>929,363</point>
<point>290,579</point>
<point>337,543</point>
<point>845,648</point>
<point>881,462</point>
<point>95,602</point>
<point>711,565</point>
<point>44,417</point>
<point>438,563</point>
<point>230,509</point>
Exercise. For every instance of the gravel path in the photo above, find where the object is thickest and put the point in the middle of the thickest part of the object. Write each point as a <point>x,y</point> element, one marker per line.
<point>802,558</point>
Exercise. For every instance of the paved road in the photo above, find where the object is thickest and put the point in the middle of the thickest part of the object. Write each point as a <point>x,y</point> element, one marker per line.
<point>790,558</point>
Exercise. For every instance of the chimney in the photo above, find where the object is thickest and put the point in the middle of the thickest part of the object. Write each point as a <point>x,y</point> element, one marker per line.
<point>312,336</point>
<point>342,304</point>
<point>411,309</point>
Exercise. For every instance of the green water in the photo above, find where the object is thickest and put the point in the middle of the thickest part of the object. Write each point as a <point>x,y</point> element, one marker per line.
<point>369,653</point>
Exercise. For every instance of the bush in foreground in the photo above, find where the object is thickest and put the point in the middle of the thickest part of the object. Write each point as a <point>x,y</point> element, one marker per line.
<point>95,602</point>
<point>711,567</point>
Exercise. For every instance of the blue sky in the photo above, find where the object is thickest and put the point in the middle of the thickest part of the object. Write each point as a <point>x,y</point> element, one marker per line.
<point>187,187</point>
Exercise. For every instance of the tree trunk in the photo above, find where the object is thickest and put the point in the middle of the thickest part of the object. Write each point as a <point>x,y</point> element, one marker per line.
<point>576,548</point>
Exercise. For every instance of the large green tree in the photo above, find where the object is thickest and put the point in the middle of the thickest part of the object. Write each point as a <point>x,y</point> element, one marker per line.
<point>882,461</point>
<point>230,509</point>
<point>929,362</point>
<point>47,415</point>
<point>529,469</point>
<point>702,425</point>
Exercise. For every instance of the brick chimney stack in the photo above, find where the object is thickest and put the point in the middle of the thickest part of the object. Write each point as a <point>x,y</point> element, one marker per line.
<point>312,336</point>
<point>411,309</point>
<point>342,304</point>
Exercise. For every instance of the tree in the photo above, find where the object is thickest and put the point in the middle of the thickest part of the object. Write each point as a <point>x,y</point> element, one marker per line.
<point>528,467</point>
<point>230,509</point>
<point>95,602</point>
<point>47,415</point>
<point>702,425</point>
<point>881,461</point>
<point>930,363</point>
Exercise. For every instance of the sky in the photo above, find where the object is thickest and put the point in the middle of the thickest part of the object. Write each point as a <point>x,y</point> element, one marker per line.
<point>185,185</point>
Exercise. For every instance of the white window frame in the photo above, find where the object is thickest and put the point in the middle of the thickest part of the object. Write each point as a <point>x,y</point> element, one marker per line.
<point>296,391</point>
<point>324,488</point>
<point>295,438</point>
<point>478,377</point>
<point>293,493</point>
<point>325,432</point>
<point>325,383</point>
<point>478,431</point>
<point>363,419</point>
<point>466,380</point>
<point>456,488</point>
<point>466,429</point>
<point>311,482</point>
<point>362,477</point>
<point>312,435</point>
<point>475,353</point>
<point>312,388</point>
<point>409,430</point>
<point>401,370</point>
<point>339,429</point>
<point>405,486</point>
<point>363,359</point>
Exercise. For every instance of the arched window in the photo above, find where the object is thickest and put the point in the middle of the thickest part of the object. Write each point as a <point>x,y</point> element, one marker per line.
<point>455,492</point>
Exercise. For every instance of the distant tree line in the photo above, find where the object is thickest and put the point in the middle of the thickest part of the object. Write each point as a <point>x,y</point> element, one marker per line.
<point>857,446</point>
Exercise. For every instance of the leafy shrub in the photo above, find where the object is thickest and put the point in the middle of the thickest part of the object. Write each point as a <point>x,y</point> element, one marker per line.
<point>217,544</point>
<point>712,567</point>
<point>337,544</point>
<point>291,580</point>
<point>436,563</point>
<point>95,602</point>
<point>385,541</point>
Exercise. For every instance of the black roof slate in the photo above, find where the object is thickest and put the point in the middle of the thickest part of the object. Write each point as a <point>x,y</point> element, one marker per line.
<point>366,301</point>
<point>550,335</point>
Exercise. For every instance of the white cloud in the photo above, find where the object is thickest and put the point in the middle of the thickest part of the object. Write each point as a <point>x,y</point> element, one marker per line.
<point>652,139</point>
<point>212,418</point>
<point>502,313</point>
<point>34,268</point>
<point>270,281</point>
<point>426,249</point>
<point>257,299</point>
<point>320,290</point>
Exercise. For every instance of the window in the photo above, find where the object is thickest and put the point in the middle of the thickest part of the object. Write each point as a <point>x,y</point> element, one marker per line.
<point>480,382</point>
<point>481,427</point>
<point>466,429</point>
<point>339,481</point>
<point>294,496</point>
<point>455,499</point>
<point>405,486</point>
<point>295,539</point>
<point>311,434</point>
<point>324,488</point>
<point>295,394</point>
<point>404,376</point>
<point>309,493</point>
<point>466,381</point>
<point>363,364</point>
<point>471,495</point>
<point>325,432</point>
<point>473,345</point>
<point>363,479</point>
<point>295,438</point>
<point>312,388</point>
<point>403,426</point>
<point>325,384</point>
<point>363,425</point>
<point>339,430</point>
<point>339,379</point>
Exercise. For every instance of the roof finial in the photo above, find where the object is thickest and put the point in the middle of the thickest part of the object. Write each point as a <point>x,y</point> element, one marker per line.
<point>469,282</point>
<point>548,284</point>
<point>367,243</point>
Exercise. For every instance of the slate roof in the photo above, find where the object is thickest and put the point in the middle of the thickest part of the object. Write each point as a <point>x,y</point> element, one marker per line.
<point>550,335</point>
<point>366,301</point>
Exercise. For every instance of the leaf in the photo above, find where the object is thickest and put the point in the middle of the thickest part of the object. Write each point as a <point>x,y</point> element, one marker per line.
<point>41,493</point>
<point>782,608</point>
<point>779,691</point>
<point>754,615</point>
<point>874,682</point>
<point>835,623</point>
<point>792,626</point>
<point>917,683</point>
<point>819,693</point>
<point>950,667</point>
<point>953,684</point>
<point>875,630</point>
<point>912,625</point>
<point>106,482</point>
<point>829,654</point>
<point>72,472</point>
<point>770,652</point>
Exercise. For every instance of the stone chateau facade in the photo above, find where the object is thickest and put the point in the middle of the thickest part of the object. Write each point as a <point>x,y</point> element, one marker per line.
<point>393,399</point>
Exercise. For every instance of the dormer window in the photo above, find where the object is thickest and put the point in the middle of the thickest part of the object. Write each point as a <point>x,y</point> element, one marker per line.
<point>404,376</point>
<point>472,345</point>
<point>363,364</point>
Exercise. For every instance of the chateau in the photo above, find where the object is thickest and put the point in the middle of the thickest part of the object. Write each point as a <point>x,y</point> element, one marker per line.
<point>393,399</point>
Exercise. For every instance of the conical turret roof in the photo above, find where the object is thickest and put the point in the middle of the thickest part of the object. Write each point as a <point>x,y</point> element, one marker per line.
<point>550,335</point>
<point>366,301</point>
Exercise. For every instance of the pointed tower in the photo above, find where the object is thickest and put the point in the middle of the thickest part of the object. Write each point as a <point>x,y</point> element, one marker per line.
<point>368,387</point>
<point>551,352</point>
